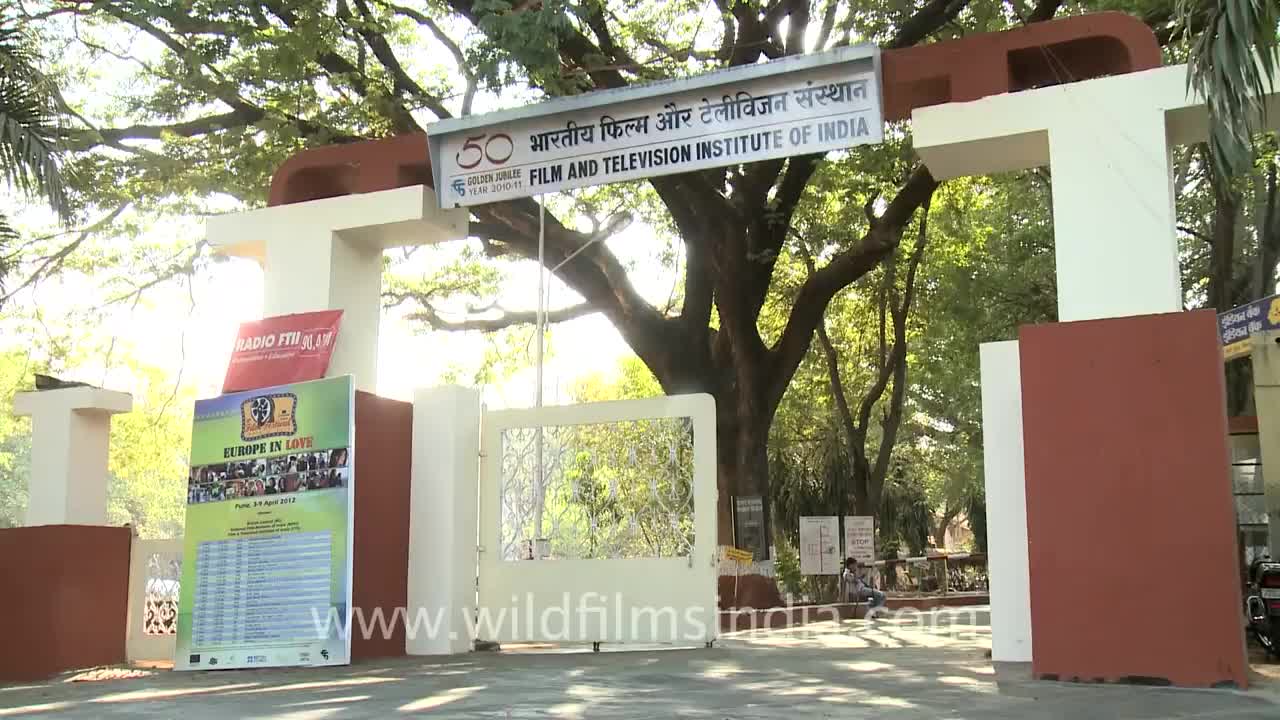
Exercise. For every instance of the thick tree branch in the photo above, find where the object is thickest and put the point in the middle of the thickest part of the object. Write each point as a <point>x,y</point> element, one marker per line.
<point>339,67</point>
<point>698,287</point>
<point>219,87</point>
<point>855,437</point>
<point>386,55</point>
<point>242,117</point>
<point>926,21</point>
<point>432,317</point>
<point>828,24</point>
<point>596,274</point>
<point>1044,10</point>
<point>798,12</point>
<point>460,58</point>
<point>190,128</point>
<point>753,37</point>
<point>816,293</point>
<point>599,25</point>
<point>893,416</point>
<point>50,263</point>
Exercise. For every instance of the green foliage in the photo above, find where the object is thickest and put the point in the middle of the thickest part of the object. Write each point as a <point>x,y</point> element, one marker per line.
<point>29,132</point>
<point>150,451</point>
<point>989,269</point>
<point>15,438</point>
<point>906,517</point>
<point>1233,65</point>
<point>29,119</point>
<point>808,479</point>
<point>628,490</point>
<point>786,566</point>
<point>977,513</point>
<point>630,381</point>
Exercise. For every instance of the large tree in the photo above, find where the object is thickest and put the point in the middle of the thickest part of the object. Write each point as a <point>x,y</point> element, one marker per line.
<point>226,90</point>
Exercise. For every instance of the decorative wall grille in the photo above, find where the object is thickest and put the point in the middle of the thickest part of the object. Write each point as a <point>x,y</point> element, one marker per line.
<point>612,490</point>
<point>160,600</point>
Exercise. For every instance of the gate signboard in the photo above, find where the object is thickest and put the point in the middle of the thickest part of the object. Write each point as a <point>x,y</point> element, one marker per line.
<point>793,106</point>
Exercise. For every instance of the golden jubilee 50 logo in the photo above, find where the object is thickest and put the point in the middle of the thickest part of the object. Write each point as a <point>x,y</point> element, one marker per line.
<point>267,416</point>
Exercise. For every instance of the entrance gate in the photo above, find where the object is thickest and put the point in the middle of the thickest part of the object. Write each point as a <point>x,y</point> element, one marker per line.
<point>598,523</point>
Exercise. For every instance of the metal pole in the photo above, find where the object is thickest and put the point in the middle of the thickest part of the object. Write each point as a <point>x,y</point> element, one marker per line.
<point>539,479</point>
<point>541,318</point>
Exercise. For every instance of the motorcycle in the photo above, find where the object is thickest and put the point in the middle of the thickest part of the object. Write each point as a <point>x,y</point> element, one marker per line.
<point>1263,604</point>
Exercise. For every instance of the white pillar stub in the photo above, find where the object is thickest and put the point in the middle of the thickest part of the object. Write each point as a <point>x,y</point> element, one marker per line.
<point>1008,555</point>
<point>70,437</point>
<point>442,518</point>
<point>327,255</point>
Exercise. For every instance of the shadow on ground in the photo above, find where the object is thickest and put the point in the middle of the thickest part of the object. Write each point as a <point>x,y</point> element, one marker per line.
<point>848,670</point>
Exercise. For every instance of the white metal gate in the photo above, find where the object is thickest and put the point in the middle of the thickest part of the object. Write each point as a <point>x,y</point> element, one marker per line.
<point>614,540</point>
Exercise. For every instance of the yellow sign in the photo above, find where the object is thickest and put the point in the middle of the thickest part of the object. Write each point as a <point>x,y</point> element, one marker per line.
<point>1238,349</point>
<point>741,556</point>
<point>267,416</point>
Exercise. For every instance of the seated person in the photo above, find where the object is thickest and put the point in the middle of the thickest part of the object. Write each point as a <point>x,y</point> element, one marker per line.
<point>854,588</point>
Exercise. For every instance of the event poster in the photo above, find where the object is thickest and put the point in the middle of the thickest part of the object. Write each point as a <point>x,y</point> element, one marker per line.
<point>266,571</point>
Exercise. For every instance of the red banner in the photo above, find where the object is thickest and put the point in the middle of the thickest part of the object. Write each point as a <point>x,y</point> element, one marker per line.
<point>281,350</point>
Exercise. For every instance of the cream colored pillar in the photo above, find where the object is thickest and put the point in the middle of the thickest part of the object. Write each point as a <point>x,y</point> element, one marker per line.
<point>70,436</point>
<point>442,519</point>
<point>1266,392</point>
<point>1008,564</point>
<point>327,255</point>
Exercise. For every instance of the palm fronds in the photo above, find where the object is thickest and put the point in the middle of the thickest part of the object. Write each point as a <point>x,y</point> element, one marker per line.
<point>1232,64</point>
<point>28,123</point>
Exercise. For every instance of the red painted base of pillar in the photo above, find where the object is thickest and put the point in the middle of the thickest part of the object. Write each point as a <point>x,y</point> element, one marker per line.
<point>64,600</point>
<point>383,464</point>
<point>1129,511</point>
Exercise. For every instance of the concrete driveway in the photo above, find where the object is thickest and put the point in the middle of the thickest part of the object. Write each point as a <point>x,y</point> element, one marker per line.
<point>827,670</point>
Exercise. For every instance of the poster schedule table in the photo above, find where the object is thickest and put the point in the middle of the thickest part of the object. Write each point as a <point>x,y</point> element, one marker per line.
<point>261,589</point>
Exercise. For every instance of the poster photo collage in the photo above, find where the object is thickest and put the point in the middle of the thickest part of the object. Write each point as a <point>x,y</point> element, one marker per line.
<point>295,472</point>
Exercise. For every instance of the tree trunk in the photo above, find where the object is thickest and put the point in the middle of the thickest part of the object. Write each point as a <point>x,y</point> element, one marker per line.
<point>862,503</point>
<point>944,524</point>
<point>1226,212</point>
<point>742,465</point>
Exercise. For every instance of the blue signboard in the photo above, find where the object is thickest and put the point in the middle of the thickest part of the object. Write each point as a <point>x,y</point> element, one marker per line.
<point>1236,325</point>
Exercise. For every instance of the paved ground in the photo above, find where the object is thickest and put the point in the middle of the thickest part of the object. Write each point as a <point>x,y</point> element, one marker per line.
<point>887,670</point>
